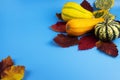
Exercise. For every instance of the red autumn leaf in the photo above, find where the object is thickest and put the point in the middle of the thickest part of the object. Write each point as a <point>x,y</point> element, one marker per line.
<point>85,4</point>
<point>108,47</point>
<point>59,16</point>
<point>87,42</point>
<point>65,40</point>
<point>59,27</point>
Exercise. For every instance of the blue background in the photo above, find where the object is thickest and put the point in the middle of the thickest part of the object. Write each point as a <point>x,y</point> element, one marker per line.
<point>25,35</point>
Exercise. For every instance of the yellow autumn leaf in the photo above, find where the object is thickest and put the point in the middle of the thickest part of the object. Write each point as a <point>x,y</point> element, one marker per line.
<point>13,73</point>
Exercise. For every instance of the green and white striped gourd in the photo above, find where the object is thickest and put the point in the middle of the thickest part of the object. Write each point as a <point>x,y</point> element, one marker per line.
<point>108,30</point>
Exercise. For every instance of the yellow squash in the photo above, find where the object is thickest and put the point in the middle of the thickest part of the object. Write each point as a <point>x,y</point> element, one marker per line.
<point>73,10</point>
<point>77,27</point>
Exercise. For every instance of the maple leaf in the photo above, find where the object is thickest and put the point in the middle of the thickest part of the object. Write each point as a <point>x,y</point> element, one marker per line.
<point>108,47</point>
<point>59,27</point>
<point>85,4</point>
<point>65,40</point>
<point>13,73</point>
<point>10,72</point>
<point>87,42</point>
<point>5,63</point>
<point>59,16</point>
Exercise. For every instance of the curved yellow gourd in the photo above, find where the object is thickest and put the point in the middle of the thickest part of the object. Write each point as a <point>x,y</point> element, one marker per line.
<point>77,27</point>
<point>73,10</point>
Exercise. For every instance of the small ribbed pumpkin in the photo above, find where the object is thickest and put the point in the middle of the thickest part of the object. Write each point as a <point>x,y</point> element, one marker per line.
<point>107,30</point>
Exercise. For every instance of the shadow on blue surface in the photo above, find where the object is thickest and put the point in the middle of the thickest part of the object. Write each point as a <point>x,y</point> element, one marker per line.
<point>27,75</point>
<point>53,44</point>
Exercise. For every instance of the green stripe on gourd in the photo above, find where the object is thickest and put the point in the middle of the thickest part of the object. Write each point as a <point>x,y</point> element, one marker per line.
<point>74,9</point>
<point>73,12</point>
<point>113,34</point>
<point>69,16</point>
<point>108,30</point>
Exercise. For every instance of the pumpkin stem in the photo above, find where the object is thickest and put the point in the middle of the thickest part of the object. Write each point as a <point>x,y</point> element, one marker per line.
<point>107,21</point>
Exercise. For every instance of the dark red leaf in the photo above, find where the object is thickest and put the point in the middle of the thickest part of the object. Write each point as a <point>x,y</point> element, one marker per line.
<point>59,27</point>
<point>108,47</point>
<point>85,4</point>
<point>59,16</point>
<point>87,42</point>
<point>65,40</point>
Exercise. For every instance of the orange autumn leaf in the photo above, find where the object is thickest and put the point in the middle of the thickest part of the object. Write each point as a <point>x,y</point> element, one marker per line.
<point>10,72</point>
<point>108,47</point>
<point>13,73</point>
